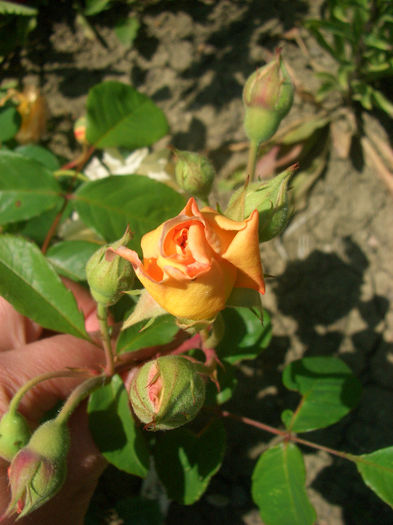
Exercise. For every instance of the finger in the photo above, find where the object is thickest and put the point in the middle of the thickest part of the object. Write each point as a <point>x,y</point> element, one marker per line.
<point>84,467</point>
<point>50,354</point>
<point>16,330</point>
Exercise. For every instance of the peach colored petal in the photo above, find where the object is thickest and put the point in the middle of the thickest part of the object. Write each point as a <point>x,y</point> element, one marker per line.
<point>244,254</point>
<point>201,298</point>
<point>197,244</point>
<point>150,242</point>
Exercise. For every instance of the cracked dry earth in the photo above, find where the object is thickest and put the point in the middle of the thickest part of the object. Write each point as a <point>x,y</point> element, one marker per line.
<point>334,275</point>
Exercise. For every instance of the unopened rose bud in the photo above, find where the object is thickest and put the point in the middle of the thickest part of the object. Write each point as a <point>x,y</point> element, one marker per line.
<point>14,434</point>
<point>38,471</point>
<point>80,130</point>
<point>194,173</point>
<point>167,393</point>
<point>269,198</point>
<point>108,274</point>
<point>267,97</point>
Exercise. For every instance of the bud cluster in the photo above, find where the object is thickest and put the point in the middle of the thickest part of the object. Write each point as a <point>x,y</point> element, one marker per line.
<point>167,392</point>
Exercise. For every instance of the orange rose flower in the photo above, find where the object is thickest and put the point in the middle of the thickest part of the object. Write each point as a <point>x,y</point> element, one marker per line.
<point>192,262</point>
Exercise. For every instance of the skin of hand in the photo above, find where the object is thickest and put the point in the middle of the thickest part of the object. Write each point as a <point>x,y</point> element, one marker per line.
<point>25,352</point>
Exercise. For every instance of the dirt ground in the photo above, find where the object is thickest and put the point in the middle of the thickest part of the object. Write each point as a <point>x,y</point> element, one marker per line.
<point>334,281</point>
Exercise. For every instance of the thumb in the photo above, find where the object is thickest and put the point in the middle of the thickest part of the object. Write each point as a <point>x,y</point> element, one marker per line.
<point>46,355</point>
<point>84,461</point>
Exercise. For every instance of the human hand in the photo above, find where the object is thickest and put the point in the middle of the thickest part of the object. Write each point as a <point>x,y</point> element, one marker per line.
<point>25,352</point>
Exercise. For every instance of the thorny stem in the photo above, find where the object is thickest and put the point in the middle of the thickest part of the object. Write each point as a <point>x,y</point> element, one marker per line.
<point>53,227</point>
<point>286,435</point>
<point>78,395</point>
<point>78,163</point>
<point>252,159</point>
<point>102,315</point>
<point>14,403</point>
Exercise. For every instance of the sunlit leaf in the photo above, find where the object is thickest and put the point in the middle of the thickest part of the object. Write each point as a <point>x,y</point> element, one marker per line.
<point>111,204</point>
<point>93,7</point>
<point>70,257</point>
<point>328,388</point>
<point>127,30</point>
<point>186,461</point>
<point>43,155</point>
<point>278,487</point>
<point>118,115</point>
<point>9,123</point>
<point>160,332</point>
<point>27,188</point>
<point>114,430</point>
<point>376,470</point>
<point>32,286</point>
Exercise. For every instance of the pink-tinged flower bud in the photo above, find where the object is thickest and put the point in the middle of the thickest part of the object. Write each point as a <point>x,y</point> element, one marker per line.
<point>109,275</point>
<point>14,434</point>
<point>267,97</point>
<point>38,471</point>
<point>80,130</point>
<point>167,393</point>
<point>270,198</point>
<point>194,173</point>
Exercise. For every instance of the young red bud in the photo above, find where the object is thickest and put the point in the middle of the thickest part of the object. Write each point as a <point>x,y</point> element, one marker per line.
<point>38,471</point>
<point>269,198</point>
<point>167,393</point>
<point>14,434</point>
<point>267,97</point>
<point>194,173</point>
<point>108,275</point>
<point>80,130</point>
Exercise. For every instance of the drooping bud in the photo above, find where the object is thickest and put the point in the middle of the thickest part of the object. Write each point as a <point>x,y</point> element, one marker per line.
<point>267,97</point>
<point>269,198</point>
<point>38,471</point>
<point>167,393</point>
<point>108,274</point>
<point>194,173</point>
<point>14,434</point>
<point>80,131</point>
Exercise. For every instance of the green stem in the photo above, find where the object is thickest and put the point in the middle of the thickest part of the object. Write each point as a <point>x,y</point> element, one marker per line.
<point>78,395</point>
<point>102,314</point>
<point>287,436</point>
<point>14,403</point>
<point>252,159</point>
<point>71,173</point>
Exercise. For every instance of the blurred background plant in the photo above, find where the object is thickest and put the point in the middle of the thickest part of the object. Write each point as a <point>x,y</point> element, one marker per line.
<point>18,20</point>
<point>354,69</point>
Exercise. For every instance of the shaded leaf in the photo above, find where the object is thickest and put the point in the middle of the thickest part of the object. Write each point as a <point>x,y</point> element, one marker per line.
<point>139,511</point>
<point>118,115</point>
<point>31,285</point>
<point>227,380</point>
<point>160,332</point>
<point>245,335</point>
<point>186,461</point>
<point>329,391</point>
<point>70,257</point>
<point>111,204</point>
<point>376,470</point>
<point>27,188</point>
<point>114,430</point>
<point>278,487</point>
